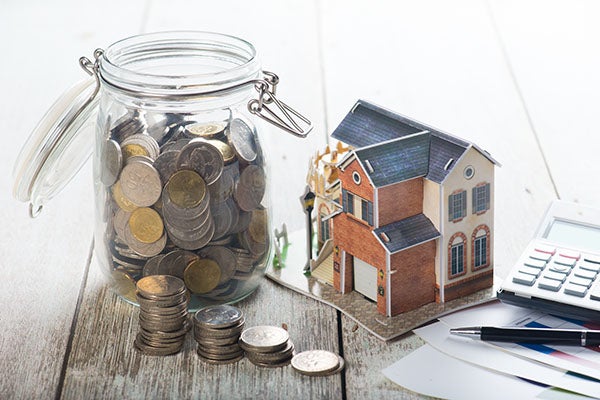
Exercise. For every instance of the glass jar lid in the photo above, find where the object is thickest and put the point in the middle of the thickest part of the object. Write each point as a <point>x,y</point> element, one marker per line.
<point>58,146</point>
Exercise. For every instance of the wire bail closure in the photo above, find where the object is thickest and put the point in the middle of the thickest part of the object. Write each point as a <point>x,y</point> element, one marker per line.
<point>281,115</point>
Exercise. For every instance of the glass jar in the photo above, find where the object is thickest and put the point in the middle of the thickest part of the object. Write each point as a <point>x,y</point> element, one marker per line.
<point>180,177</point>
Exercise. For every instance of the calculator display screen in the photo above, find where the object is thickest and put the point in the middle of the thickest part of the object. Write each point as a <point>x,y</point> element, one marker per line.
<point>574,235</point>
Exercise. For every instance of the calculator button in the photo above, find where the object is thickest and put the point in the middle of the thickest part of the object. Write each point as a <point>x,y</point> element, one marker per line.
<point>539,264</point>
<point>549,284</point>
<point>565,261</point>
<point>538,255</point>
<point>545,249</point>
<point>523,279</point>
<point>530,271</point>
<point>557,276</point>
<point>569,254</point>
<point>563,269</point>
<point>592,259</point>
<point>580,281</point>
<point>584,273</point>
<point>595,292</point>
<point>575,290</point>
<point>590,266</point>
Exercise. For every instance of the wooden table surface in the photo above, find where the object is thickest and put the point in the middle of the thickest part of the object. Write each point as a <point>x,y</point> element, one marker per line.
<point>519,78</point>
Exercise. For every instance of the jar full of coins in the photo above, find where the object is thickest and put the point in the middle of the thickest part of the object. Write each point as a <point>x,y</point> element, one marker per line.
<point>180,176</point>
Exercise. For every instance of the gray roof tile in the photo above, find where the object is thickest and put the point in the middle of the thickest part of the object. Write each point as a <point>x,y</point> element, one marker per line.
<point>407,233</point>
<point>396,160</point>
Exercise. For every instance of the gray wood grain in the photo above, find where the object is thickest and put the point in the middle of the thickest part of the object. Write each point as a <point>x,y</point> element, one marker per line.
<point>43,260</point>
<point>103,362</point>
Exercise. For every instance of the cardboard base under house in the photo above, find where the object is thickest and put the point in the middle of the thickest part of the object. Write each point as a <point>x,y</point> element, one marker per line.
<point>355,305</point>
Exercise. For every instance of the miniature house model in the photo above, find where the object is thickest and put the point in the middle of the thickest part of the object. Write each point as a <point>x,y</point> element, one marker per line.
<point>409,212</point>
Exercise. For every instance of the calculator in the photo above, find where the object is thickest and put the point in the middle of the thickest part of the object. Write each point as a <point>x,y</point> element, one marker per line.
<point>558,273</point>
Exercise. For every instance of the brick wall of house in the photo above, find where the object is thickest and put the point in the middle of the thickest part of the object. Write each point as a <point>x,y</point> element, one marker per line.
<point>399,201</point>
<point>464,287</point>
<point>355,238</point>
<point>413,283</point>
<point>364,189</point>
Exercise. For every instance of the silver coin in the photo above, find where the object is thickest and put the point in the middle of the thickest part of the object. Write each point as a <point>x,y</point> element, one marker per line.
<point>191,235</point>
<point>220,362</point>
<point>166,165</point>
<point>144,249</point>
<point>273,357</point>
<point>121,219</point>
<point>224,257</point>
<point>242,140</point>
<point>202,332</point>
<point>194,245</point>
<point>140,183</point>
<point>264,338</point>
<point>175,263</point>
<point>218,316</point>
<point>203,158</point>
<point>223,217</point>
<point>250,189</point>
<point>174,145</point>
<point>222,188</point>
<point>139,158</point>
<point>316,362</point>
<point>111,160</point>
<point>128,125</point>
<point>151,266</point>
<point>147,142</point>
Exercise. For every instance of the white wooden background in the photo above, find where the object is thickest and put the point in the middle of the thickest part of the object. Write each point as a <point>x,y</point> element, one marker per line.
<point>519,77</point>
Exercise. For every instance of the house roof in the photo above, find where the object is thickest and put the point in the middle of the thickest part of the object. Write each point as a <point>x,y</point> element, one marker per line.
<point>406,233</point>
<point>395,142</point>
<point>396,160</point>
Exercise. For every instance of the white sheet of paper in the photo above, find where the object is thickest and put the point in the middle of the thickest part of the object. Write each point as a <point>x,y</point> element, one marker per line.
<point>576,359</point>
<point>481,354</point>
<point>432,373</point>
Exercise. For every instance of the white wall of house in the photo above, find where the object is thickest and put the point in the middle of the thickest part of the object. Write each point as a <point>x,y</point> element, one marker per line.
<point>483,172</point>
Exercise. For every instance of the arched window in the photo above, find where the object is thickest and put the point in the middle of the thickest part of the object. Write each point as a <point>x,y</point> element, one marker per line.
<point>480,249</point>
<point>457,254</point>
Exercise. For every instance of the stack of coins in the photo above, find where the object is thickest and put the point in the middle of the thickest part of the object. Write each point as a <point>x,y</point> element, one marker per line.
<point>317,363</point>
<point>217,330</point>
<point>267,346</point>
<point>163,303</point>
<point>185,195</point>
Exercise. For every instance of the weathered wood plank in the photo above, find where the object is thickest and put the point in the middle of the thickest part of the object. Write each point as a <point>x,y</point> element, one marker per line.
<point>43,260</point>
<point>439,63</point>
<point>103,361</point>
<point>552,48</point>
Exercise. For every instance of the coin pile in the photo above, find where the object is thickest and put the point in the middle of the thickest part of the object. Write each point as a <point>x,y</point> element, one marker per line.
<point>217,330</point>
<point>317,363</point>
<point>163,301</point>
<point>184,198</point>
<point>267,346</point>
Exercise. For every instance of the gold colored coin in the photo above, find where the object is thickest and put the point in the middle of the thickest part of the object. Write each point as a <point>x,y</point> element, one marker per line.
<point>132,149</point>
<point>124,285</point>
<point>202,275</point>
<point>206,130</point>
<point>225,149</point>
<point>123,202</point>
<point>146,225</point>
<point>258,226</point>
<point>186,189</point>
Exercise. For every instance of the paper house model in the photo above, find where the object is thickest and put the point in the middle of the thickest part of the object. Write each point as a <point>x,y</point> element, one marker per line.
<point>411,216</point>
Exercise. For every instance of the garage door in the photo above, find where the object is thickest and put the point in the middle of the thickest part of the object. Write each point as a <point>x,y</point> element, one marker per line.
<point>365,279</point>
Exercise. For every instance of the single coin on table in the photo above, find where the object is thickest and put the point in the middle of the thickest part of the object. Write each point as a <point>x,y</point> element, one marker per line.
<point>317,362</point>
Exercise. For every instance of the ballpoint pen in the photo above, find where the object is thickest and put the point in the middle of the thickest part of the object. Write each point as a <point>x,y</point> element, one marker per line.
<point>572,337</point>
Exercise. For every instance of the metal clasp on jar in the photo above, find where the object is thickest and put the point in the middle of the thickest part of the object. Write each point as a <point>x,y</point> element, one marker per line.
<point>282,115</point>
